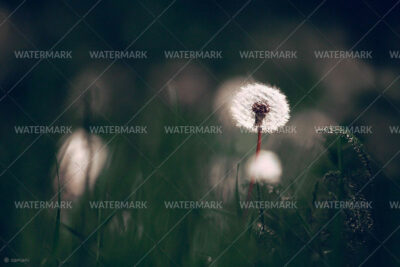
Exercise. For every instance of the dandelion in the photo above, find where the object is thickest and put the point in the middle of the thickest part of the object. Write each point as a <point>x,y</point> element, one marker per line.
<point>94,93</point>
<point>265,168</point>
<point>259,108</point>
<point>81,158</point>
<point>185,89</point>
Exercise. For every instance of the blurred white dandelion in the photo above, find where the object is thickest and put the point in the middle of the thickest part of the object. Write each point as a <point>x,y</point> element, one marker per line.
<point>81,159</point>
<point>260,107</point>
<point>100,94</point>
<point>184,86</point>
<point>265,168</point>
<point>306,124</point>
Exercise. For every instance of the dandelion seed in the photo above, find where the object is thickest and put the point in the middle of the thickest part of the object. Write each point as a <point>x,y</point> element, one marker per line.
<point>265,168</point>
<point>260,106</point>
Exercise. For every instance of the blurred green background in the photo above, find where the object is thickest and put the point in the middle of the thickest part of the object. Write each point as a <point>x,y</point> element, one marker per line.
<point>155,167</point>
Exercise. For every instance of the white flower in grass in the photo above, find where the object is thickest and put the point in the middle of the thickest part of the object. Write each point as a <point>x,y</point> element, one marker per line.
<point>81,160</point>
<point>258,105</point>
<point>266,167</point>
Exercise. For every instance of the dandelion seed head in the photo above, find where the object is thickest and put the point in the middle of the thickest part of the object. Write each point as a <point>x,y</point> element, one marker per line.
<point>186,89</point>
<point>99,94</point>
<point>258,105</point>
<point>266,167</point>
<point>81,157</point>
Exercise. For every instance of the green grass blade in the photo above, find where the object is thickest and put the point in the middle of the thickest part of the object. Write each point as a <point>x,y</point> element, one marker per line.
<point>56,235</point>
<point>237,195</point>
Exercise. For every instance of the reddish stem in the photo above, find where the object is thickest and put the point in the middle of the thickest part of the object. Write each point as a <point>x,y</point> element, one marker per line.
<point>258,142</point>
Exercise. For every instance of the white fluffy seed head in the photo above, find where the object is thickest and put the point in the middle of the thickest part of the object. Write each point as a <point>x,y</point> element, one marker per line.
<point>81,158</point>
<point>243,113</point>
<point>266,167</point>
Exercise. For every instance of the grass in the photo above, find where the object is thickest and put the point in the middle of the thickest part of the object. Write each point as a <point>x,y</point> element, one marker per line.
<point>206,235</point>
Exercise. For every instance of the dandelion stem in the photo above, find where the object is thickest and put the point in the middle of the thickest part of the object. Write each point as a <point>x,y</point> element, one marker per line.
<point>258,141</point>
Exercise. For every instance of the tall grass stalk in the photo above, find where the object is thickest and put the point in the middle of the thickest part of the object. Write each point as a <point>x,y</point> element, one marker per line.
<point>339,154</point>
<point>259,133</point>
<point>99,238</point>
<point>237,195</point>
<point>56,235</point>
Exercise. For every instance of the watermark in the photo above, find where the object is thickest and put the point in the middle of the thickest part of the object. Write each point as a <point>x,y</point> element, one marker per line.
<point>268,54</point>
<point>265,204</point>
<point>115,204</point>
<point>15,260</point>
<point>394,204</point>
<point>336,204</point>
<point>41,204</point>
<point>193,54</point>
<point>192,129</point>
<point>42,54</point>
<point>394,129</point>
<point>394,54</point>
<point>287,129</point>
<point>117,129</point>
<point>42,129</point>
<point>115,54</point>
<point>343,54</point>
<point>189,204</point>
<point>338,129</point>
